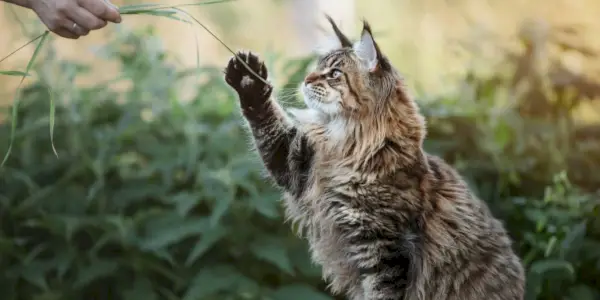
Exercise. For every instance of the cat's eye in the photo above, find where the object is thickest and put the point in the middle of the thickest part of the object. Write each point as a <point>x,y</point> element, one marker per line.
<point>335,73</point>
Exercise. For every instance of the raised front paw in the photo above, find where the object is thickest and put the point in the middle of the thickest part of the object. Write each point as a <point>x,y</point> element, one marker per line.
<point>247,85</point>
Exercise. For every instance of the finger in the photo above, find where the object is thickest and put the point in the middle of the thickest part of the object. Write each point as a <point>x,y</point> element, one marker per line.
<point>101,9</point>
<point>75,28</point>
<point>65,33</point>
<point>85,19</point>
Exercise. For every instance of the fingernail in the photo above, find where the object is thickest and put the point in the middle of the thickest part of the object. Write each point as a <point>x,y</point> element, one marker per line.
<point>118,20</point>
<point>110,3</point>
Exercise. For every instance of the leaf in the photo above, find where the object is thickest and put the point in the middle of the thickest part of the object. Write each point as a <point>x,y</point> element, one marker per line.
<point>63,261</point>
<point>184,201</point>
<point>51,121</point>
<point>300,256</point>
<point>136,191</point>
<point>212,280</point>
<point>502,134</point>
<point>35,275</point>
<point>13,126</point>
<point>218,186</point>
<point>583,292</point>
<point>172,233</point>
<point>207,240</point>
<point>14,73</point>
<point>298,292</point>
<point>97,268</point>
<point>551,265</point>
<point>267,205</point>
<point>273,251</point>
<point>573,242</point>
<point>540,269</point>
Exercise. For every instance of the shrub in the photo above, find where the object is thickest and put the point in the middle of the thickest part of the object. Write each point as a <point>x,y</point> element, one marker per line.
<point>153,198</point>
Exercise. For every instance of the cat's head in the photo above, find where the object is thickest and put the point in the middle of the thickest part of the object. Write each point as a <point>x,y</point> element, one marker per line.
<point>364,100</point>
<point>351,78</point>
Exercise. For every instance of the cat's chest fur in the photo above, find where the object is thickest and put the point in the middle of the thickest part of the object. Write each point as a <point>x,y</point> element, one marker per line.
<point>333,196</point>
<point>322,232</point>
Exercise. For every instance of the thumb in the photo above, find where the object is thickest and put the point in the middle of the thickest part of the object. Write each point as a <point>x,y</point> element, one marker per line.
<point>102,9</point>
<point>111,5</point>
<point>117,16</point>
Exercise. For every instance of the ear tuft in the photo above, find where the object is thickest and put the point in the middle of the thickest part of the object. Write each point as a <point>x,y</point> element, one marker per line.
<point>366,49</point>
<point>344,41</point>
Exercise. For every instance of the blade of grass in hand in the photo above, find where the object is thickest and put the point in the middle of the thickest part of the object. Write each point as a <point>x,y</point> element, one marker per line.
<point>159,9</point>
<point>16,50</point>
<point>132,9</point>
<point>160,13</point>
<point>145,9</point>
<point>13,126</point>
<point>225,45</point>
<point>135,7</point>
<point>14,73</point>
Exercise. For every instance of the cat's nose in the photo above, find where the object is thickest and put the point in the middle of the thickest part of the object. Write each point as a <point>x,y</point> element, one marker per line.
<point>312,77</point>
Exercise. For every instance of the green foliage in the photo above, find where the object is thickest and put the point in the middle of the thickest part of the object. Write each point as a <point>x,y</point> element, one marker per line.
<point>154,198</point>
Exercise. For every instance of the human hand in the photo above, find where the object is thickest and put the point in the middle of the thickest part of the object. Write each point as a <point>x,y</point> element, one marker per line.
<point>75,18</point>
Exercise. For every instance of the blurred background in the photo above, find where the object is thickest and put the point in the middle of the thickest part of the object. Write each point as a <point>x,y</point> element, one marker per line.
<point>154,193</point>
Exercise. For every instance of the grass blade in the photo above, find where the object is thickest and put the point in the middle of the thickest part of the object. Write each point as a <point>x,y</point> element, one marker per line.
<point>13,126</point>
<point>153,9</point>
<point>14,73</point>
<point>197,52</point>
<point>224,45</point>
<point>197,3</point>
<point>16,50</point>
<point>125,9</point>
<point>51,122</point>
<point>160,13</point>
<point>134,8</point>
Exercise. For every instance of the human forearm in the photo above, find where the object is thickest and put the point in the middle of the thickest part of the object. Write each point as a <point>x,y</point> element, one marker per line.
<point>23,3</point>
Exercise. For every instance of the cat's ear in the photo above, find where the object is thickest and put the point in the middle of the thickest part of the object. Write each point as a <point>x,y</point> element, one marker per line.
<point>367,50</point>
<point>342,39</point>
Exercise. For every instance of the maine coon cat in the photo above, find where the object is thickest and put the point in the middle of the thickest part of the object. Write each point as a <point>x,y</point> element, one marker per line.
<point>384,219</point>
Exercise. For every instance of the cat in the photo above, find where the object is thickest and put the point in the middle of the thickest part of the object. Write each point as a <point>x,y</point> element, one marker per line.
<point>383,218</point>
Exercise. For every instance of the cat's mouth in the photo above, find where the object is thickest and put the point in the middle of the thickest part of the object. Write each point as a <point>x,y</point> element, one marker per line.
<point>312,99</point>
<point>319,99</point>
<point>315,93</point>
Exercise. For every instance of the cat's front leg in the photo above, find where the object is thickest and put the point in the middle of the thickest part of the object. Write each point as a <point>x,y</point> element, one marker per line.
<point>389,261</point>
<point>284,151</point>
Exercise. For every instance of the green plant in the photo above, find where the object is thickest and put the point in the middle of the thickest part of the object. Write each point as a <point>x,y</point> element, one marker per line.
<point>154,198</point>
<point>170,11</point>
<point>559,250</point>
<point>151,198</point>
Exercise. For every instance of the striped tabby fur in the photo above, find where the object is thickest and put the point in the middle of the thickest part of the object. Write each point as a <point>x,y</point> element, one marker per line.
<point>384,219</point>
